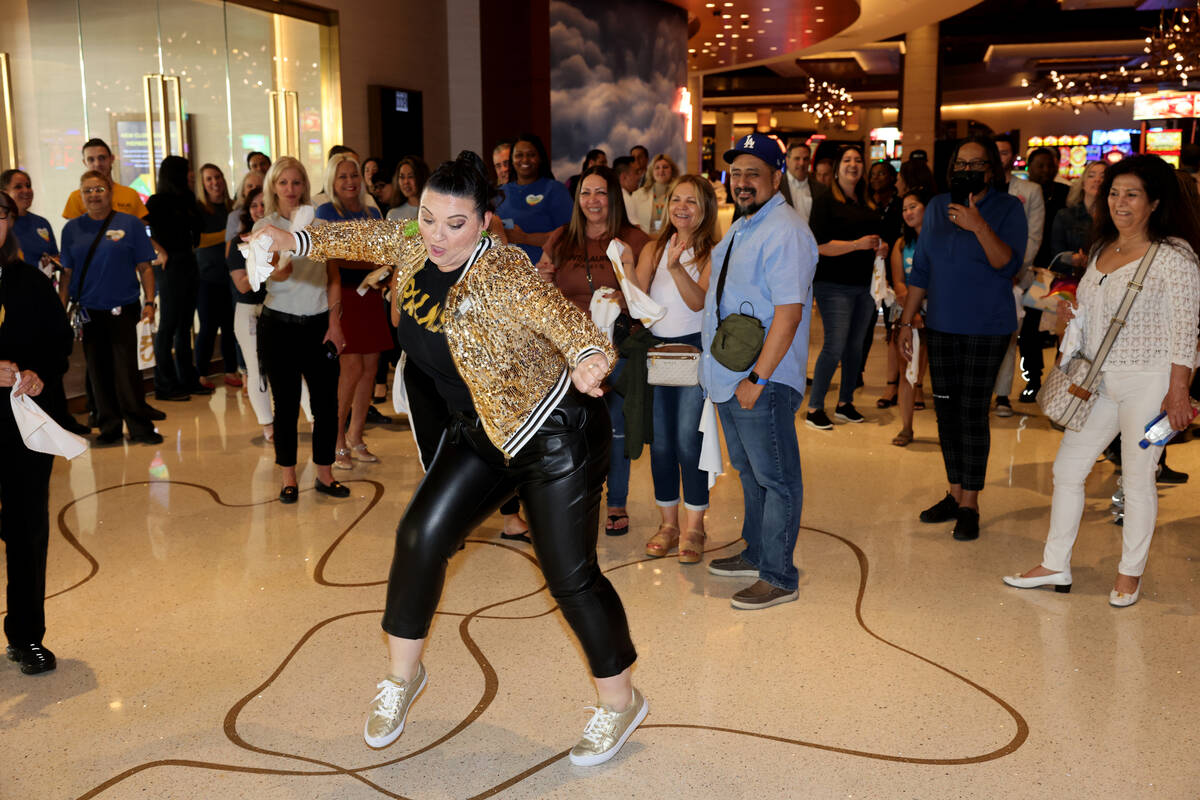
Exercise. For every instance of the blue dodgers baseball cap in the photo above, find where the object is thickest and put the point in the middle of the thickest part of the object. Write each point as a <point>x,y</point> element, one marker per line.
<point>768,148</point>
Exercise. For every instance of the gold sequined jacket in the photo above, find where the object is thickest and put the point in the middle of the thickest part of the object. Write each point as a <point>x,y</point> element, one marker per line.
<point>514,338</point>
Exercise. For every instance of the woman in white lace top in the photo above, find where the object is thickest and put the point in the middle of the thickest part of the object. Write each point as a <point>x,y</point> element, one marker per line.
<point>1147,370</point>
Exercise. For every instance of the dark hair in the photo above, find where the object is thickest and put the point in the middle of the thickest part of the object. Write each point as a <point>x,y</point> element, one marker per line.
<point>859,187</point>
<point>339,148</point>
<point>574,239</point>
<point>244,221</point>
<point>465,176</point>
<point>172,176</point>
<point>378,171</point>
<point>7,176</point>
<point>1042,151</point>
<point>1009,139</point>
<point>923,195</point>
<point>622,163</point>
<point>250,157</point>
<point>10,251</point>
<point>420,174</point>
<point>796,143</point>
<point>641,147</point>
<point>96,143</point>
<point>917,175</point>
<point>1171,217</point>
<point>543,156</point>
<point>989,149</point>
<point>591,155</point>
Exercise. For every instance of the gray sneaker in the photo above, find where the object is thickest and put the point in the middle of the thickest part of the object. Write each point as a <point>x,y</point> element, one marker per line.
<point>385,722</point>
<point>733,567</point>
<point>761,594</point>
<point>606,731</point>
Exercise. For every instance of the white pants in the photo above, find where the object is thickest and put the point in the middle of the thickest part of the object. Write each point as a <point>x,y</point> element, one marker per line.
<point>1126,402</point>
<point>245,329</point>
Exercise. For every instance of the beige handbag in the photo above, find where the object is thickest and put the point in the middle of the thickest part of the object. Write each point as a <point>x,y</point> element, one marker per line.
<point>673,365</point>
<point>1069,392</point>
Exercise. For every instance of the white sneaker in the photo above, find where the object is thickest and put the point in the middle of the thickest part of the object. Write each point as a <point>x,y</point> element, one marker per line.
<point>385,722</point>
<point>607,730</point>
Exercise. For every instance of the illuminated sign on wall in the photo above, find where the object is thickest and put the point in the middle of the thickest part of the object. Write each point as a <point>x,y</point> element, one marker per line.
<point>1166,105</point>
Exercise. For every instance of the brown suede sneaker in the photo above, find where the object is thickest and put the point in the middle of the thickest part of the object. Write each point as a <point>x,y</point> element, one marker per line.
<point>761,594</point>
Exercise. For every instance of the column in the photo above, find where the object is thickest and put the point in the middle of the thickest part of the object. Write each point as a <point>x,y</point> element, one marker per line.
<point>921,94</point>
<point>722,139</point>
<point>465,73</point>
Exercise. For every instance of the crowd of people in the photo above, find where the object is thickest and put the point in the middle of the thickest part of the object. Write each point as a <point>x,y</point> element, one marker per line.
<point>526,350</point>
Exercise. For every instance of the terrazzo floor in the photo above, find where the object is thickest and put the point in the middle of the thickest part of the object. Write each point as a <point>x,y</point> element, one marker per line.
<point>213,643</point>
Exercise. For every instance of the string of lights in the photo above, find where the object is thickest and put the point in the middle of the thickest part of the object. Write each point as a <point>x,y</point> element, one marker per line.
<point>827,102</point>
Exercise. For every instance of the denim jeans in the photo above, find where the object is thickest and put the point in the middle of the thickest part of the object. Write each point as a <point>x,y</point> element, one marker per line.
<point>618,464</point>
<point>763,449</point>
<point>675,450</point>
<point>174,369</point>
<point>846,315</point>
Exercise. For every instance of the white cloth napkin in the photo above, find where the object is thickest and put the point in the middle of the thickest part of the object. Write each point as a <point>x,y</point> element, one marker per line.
<point>880,291</point>
<point>1072,340</point>
<point>258,254</point>
<point>640,304</point>
<point>710,443</point>
<point>40,433</point>
<point>604,310</point>
<point>913,373</point>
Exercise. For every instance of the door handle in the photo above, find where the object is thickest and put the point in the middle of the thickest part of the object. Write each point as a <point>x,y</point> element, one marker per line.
<point>10,128</point>
<point>148,82</point>
<point>273,115</point>
<point>181,132</point>
<point>294,119</point>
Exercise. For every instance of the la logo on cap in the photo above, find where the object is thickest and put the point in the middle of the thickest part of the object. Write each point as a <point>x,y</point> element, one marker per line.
<point>748,141</point>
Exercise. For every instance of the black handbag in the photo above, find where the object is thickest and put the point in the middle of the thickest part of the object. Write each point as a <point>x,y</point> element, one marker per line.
<point>739,337</point>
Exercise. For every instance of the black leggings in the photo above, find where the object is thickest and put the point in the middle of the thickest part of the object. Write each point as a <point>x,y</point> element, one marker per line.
<point>291,348</point>
<point>25,530</point>
<point>560,474</point>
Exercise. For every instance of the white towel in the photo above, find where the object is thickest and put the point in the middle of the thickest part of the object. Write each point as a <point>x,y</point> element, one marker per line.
<point>1072,340</point>
<point>913,373</point>
<point>710,443</point>
<point>604,310</point>
<point>40,433</point>
<point>880,291</point>
<point>258,254</point>
<point>640,305</point>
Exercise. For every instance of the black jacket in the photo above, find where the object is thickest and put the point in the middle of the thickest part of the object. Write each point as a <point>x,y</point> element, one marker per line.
<point>35,335</point>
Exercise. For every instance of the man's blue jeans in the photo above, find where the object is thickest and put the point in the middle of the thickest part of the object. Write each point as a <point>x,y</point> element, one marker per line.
<point>763,449</point>
<point>847,312</point>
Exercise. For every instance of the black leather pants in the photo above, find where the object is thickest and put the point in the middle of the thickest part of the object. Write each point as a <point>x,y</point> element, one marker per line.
<point>559,474</point>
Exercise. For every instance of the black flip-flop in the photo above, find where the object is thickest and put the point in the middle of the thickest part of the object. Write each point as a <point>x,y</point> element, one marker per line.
<point>614,530</point>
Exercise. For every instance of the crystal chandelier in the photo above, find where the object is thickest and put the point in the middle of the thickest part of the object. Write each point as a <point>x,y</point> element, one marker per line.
<point>1074,91</point>
<point>1172,52</point>
<point>827,102</point>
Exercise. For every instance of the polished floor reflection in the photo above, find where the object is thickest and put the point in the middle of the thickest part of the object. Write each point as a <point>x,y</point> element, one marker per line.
<point>215,643</point>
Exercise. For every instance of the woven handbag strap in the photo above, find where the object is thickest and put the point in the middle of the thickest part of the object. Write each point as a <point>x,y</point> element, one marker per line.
<point>1118,320</point>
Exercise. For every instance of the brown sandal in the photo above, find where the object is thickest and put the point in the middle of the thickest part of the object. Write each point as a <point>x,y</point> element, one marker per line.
<point>691,547</point>
<point>903,439</point>
<point>662,541</point>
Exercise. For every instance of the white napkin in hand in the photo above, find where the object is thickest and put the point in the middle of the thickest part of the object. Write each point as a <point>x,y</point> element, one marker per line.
<point>880,291</point>
<point>640,304</point>
<point>258,254</point>
<point>40,433</point>
<point>604,310</point>
<point>1072,340</point>
<point>374,280</point>
<point>913,373</point>
<point>710,443</point>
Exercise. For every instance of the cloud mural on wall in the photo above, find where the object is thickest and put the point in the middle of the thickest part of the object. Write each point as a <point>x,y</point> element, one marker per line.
<point>615,68</point>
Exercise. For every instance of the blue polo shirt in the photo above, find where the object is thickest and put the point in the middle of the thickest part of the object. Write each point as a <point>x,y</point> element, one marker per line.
<point>772,264</point>
<point>35,236</point>
<point>966,294</point>
<point>538,207</point>
<point>112,279</point>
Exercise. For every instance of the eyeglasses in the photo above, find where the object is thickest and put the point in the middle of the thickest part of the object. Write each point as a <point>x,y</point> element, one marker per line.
<point>94,190</point>
<point>978,163</point>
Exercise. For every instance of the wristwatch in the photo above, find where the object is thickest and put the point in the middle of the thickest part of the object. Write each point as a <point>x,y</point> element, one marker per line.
<point>753,378</point>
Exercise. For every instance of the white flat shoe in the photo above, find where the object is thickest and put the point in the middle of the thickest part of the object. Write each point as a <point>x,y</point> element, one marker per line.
<point>1061,581</point>
<point>1122,600</point>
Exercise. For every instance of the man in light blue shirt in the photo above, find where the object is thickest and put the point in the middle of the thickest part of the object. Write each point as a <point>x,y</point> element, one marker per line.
<point>766,266</point>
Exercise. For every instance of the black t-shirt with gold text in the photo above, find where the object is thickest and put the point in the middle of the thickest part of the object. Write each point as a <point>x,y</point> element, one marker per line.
<point>422,310</point>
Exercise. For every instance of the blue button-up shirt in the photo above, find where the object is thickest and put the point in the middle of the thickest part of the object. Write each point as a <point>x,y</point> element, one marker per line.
<point>966,294</point>
<point>772,264</point>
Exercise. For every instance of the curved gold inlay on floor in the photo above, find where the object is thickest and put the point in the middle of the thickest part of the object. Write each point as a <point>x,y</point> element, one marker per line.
<point>491,681</point>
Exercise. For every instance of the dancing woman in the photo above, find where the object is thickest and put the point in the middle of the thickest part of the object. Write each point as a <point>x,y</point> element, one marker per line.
<point>503,349</point>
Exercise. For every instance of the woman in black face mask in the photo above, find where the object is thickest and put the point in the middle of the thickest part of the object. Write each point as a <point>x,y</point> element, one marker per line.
<point>972,244</point>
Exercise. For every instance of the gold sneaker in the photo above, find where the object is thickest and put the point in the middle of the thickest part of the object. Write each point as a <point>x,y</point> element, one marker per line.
<point>607,730</point>
<point>385,722</point>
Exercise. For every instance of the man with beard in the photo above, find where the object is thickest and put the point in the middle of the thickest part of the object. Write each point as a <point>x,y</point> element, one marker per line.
<point>767,261</point>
